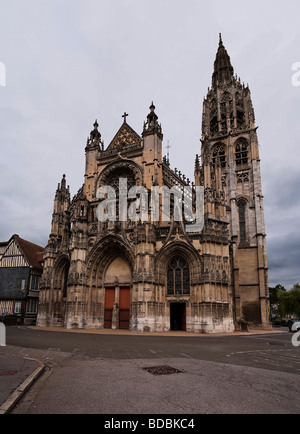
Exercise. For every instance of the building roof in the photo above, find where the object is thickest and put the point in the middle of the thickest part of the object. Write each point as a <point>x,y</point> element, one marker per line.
<point>32,253</point>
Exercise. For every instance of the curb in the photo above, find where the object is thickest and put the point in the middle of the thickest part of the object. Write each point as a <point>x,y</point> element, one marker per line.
<point>118,332</point>
<point>18,393</point>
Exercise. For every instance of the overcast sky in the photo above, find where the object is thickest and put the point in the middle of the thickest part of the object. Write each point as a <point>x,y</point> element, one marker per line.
<point>69,62</point>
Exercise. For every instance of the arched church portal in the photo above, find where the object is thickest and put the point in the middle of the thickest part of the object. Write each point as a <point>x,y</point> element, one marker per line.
<point>178,285</point>
<point>117,283</point>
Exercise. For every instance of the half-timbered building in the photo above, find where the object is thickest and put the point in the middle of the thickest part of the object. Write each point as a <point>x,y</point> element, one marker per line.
<point>20,273</point>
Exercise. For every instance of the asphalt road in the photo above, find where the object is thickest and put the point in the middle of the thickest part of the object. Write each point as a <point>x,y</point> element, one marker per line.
<point>272,351</point>
<point>91,373</point>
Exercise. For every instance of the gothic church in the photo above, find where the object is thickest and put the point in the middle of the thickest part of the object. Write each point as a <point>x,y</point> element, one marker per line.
<point>154,275</point>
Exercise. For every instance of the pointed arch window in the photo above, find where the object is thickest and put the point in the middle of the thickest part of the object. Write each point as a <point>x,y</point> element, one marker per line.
<point>242,206</point>
<point>240,113</point>
<point>241,153</point>
<point>219,153</point>
<point>226,110</point>
<point>178,277</point>
<point>214,116</point>
<point>64,284</point>
<point>214,125</point>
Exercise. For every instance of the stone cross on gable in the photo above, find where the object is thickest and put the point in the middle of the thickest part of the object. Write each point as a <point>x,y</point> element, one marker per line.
<point>125,116</point>
<point>168,150</point>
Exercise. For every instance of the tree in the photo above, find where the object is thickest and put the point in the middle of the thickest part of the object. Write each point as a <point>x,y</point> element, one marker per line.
<point>274,293</point>
<point>289,301</point>
<point>274,300</point>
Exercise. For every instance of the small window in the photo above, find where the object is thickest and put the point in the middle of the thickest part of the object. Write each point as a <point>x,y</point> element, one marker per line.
<point>214,125</point>
<point>219,152</point>
<point>223,122</point>
<point>240,118</point>
<point>241,153</point>
<point>18,307</point>
<point>23,284</point>
<point>32,306</point>
<point>35,280</point>
<point>242,220</point>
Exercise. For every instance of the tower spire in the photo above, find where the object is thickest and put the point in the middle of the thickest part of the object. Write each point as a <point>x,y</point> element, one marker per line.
<point>223,70</point>
<point>152,125</point>
<point>95,136</point>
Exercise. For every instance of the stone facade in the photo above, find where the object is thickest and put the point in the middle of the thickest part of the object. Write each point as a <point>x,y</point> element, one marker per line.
<point>154,275</point>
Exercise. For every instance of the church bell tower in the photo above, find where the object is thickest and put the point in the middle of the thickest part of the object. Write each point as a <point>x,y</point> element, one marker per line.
<point>229,137</point>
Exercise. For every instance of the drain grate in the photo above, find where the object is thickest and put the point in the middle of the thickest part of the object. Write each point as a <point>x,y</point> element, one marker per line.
<point>162,370</point>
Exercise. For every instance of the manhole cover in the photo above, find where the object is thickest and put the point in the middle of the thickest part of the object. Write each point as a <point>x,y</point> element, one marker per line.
<point>162,370</point>
<point>3,373</point>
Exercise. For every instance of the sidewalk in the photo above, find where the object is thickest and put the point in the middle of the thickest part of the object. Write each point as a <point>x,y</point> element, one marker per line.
<point>16,376</point>
<point>167,333</point>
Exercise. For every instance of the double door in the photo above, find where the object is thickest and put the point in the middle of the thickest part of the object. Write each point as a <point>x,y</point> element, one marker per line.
<point>117,308</point>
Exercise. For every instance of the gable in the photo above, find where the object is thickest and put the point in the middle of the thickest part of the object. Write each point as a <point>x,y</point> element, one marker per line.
<point>21,253</point>
<point>126,136</point>
<point>3,247</point>
<point>13,257</point>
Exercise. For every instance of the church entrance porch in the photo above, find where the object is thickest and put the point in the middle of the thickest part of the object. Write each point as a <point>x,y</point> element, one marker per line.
<point>117,284</point>
<point>178,316</point>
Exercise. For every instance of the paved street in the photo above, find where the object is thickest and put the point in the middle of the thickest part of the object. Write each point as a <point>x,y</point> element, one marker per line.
<point>99,373</point>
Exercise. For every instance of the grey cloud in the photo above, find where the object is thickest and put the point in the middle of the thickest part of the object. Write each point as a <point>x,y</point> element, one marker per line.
<point>71,62</point>
<point>284,259</point>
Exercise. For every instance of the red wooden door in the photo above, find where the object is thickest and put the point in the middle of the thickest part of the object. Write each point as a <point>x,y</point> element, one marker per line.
<point>109,305</point>
<point>124,308</point>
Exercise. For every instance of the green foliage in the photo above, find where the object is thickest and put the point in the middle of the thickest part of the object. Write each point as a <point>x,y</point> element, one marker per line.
<point>289,301</point>
<point>274,294</point>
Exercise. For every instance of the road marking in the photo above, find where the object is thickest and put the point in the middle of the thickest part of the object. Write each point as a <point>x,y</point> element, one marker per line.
<point>267,338</point>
